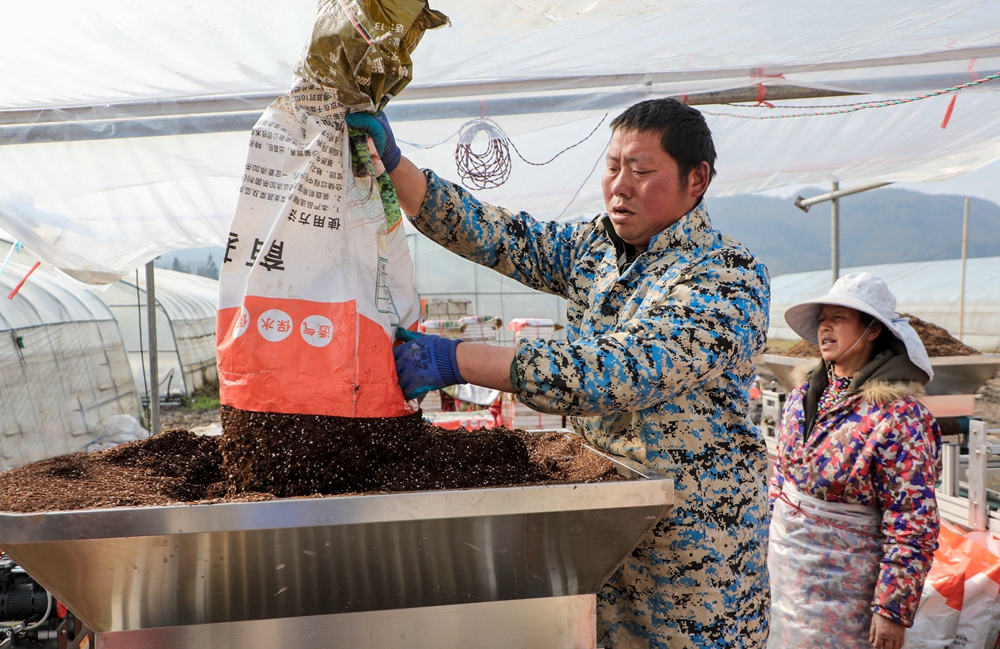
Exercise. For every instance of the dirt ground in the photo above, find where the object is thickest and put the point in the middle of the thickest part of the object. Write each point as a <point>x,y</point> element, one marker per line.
<point>988,402</point>
<point>187,418</point>
<point>196,413</point>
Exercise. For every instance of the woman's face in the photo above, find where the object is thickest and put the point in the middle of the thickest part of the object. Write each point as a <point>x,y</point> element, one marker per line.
<point>839,329</point>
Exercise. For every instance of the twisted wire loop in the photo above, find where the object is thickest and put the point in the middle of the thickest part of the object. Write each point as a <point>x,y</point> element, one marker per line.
<point>491,168</point>
<point>483,169</point>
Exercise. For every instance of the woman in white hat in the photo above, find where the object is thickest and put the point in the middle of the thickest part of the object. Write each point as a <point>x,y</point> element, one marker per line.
<point>854,517</point>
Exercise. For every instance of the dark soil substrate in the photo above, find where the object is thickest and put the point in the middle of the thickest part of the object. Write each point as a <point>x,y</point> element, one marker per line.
<point>175,466</point>
<point>301,455</point>
<point>179,467</point>
<point>937,341</point>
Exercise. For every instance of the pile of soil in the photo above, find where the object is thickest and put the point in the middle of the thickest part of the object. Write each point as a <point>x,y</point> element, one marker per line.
<point>174,466</point>
<point>801,349</point>
<point>563,458</point>
<point>373,456</point>
<point>937,341</point>
<point>301,455</point>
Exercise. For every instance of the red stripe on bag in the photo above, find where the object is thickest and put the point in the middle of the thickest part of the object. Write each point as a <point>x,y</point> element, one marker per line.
<point>309,358</point>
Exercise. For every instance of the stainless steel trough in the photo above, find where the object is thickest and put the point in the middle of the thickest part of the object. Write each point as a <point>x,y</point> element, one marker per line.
<point>498,567</point>
<point>949,394</point>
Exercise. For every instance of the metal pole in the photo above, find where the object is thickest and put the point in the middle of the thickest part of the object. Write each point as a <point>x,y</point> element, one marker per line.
<point>805,203</point>
<point>979,513</point>
<point>835,234</point>
<point>154,374</point>
<point>950,462</point>
<point>965,251</point>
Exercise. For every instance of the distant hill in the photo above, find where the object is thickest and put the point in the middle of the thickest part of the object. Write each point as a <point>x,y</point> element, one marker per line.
<point>197,261</point>
<point>881,226</point>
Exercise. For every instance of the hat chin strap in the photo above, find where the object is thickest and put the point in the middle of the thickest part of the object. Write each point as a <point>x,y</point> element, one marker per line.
<point>833,361</point>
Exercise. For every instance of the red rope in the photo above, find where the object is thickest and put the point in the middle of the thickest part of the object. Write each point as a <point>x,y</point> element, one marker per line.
<point>358,26</point>
<point>947,112</point>
<point>761,93</point>
<point>23,280</point>
<point>843,109</point>
<point>951,104</point>
<point>783,496</point>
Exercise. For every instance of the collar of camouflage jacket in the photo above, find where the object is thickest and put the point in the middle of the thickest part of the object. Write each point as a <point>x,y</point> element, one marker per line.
<point>684,234</point>
<point>887,377</point>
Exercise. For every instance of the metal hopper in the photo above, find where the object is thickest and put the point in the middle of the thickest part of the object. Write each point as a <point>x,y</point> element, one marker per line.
<point>491,567</point>
<point>949,394</point>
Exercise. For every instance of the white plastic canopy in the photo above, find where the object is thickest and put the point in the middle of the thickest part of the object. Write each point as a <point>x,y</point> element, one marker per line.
<point>124,125</point>
<point>185,323</point>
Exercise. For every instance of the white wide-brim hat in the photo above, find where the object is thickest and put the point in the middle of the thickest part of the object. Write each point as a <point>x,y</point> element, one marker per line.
<point>866,293</point>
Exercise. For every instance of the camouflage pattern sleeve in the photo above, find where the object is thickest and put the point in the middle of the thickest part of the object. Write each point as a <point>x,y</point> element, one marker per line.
<point>686,331</point>
<point>904,480</point>
<point>537,254</point>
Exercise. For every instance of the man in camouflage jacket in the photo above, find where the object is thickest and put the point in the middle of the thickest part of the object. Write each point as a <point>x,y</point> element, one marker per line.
<point>665,316</point>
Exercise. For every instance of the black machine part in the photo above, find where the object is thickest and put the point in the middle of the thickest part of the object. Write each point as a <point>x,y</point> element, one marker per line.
<point>21,599</point>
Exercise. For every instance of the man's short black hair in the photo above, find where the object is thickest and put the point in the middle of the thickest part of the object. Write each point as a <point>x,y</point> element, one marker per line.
<point>684,134</point>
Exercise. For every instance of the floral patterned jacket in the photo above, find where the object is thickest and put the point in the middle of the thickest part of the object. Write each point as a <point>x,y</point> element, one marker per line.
<point>878,447</point>
<point>656,367</point>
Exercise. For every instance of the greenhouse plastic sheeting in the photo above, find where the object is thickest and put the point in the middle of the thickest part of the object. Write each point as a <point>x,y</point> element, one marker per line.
<point>929,290</point>
<point>63,370</point>
<point>191,78</point>
<point>98,52</point>
<point>185,325</point>
<point>60,388</point>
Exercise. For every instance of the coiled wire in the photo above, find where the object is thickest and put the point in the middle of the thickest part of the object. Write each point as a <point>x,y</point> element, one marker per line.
<point>490,168</point>
<point>482,169</point>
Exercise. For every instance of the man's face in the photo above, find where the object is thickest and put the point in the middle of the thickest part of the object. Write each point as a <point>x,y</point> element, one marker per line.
<point>643,188</point>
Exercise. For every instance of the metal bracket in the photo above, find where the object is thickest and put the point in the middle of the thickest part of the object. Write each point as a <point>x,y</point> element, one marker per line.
<point>979,455</point>
<point>950,461</point>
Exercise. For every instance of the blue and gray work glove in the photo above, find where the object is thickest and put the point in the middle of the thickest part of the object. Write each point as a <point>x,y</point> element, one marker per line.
<point>425,363</point>
<point>377,127</point>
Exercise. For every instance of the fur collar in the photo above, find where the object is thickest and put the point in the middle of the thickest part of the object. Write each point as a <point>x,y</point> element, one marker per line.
<point>887,392</point>
<point>801,372</point>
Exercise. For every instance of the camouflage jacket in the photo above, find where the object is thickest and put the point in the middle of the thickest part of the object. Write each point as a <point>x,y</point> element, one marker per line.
<point>656,367</point>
